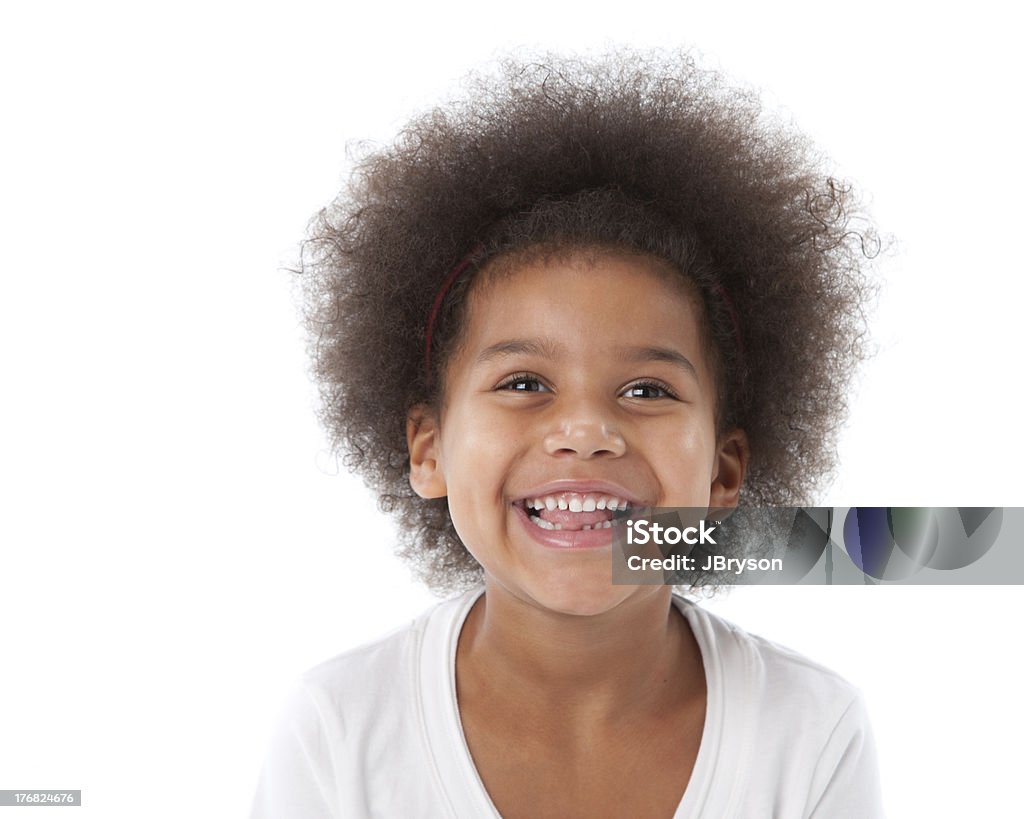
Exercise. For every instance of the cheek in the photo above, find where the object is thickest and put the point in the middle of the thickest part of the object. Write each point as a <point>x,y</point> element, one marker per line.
<point>476,510</point>
<point>690,438</point>
<point>683,459</point>
<point>475,463</point>
<point>490,434</point>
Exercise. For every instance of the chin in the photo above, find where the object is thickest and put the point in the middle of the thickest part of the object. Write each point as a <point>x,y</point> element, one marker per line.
<point>578,595</point>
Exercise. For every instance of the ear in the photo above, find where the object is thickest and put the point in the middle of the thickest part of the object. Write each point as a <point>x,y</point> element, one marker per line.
<point>731,468</point>
<point>422,435</point>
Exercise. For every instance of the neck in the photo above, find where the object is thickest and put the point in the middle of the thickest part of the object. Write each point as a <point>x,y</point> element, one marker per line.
<point>601,666</point>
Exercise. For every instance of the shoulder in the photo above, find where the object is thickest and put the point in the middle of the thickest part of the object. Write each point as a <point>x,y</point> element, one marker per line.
<point>386,668</point>
<point>799,732</point>
<point>784,678</point>
<point>354,723</point>
<point>380,681</point>
<point>352,679</point>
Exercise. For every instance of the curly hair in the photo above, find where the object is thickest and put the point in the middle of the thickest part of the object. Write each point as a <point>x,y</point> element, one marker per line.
<point>644,152</point>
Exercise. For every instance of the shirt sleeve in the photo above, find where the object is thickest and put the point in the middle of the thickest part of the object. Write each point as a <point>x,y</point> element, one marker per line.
<point>297,779</point>
<point>846,783</point>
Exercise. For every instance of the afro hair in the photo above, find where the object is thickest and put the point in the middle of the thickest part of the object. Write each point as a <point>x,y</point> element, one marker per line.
<point>644,152</point>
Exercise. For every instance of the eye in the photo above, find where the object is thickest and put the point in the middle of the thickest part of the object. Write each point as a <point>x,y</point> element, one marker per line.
<point>522,382</point>
<point>648,390</point>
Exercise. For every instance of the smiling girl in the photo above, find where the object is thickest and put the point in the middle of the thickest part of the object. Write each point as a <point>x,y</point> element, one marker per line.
<point>591,286</point>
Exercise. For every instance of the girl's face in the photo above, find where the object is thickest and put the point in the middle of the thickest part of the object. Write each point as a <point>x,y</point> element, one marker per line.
<point>583,383</point>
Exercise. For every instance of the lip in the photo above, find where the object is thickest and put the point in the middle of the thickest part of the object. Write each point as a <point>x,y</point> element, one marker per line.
<point>565,539</point>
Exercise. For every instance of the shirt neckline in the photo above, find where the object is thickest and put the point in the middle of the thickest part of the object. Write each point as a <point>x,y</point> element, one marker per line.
<point>439,710</point>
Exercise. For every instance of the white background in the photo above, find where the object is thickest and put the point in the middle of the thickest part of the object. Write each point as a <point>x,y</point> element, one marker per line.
<point>175,542</point>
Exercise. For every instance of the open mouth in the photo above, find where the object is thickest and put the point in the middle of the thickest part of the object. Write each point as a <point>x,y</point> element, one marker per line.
<point>576,511</point>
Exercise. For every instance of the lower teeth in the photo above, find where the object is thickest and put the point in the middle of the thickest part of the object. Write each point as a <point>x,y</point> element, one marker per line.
<point>544,524</point>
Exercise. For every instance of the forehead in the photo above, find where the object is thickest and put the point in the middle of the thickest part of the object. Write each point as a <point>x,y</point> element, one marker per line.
<point>572,289</point>
<point>583,304</point>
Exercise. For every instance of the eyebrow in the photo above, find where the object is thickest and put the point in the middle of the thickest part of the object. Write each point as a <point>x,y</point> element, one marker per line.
<point>543,348</point>
<point>519,346</point>
<point>666,354</point>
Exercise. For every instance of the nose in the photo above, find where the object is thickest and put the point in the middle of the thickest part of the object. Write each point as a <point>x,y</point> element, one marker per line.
<point>585,432</point>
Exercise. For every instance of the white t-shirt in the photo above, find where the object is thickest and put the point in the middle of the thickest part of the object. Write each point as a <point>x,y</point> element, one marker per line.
<point>375,732</point>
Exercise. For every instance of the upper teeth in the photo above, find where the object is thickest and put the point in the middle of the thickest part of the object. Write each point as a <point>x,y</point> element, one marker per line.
<point>576,502</point>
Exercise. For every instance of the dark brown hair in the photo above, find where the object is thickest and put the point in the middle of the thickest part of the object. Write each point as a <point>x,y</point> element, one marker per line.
<point>644,152</point>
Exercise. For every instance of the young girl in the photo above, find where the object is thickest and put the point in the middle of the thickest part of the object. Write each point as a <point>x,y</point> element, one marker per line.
<point>590,286</point>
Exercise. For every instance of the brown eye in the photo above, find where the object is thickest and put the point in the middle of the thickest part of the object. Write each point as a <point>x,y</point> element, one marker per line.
<point>647,390</point>
<point>523,383</point>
